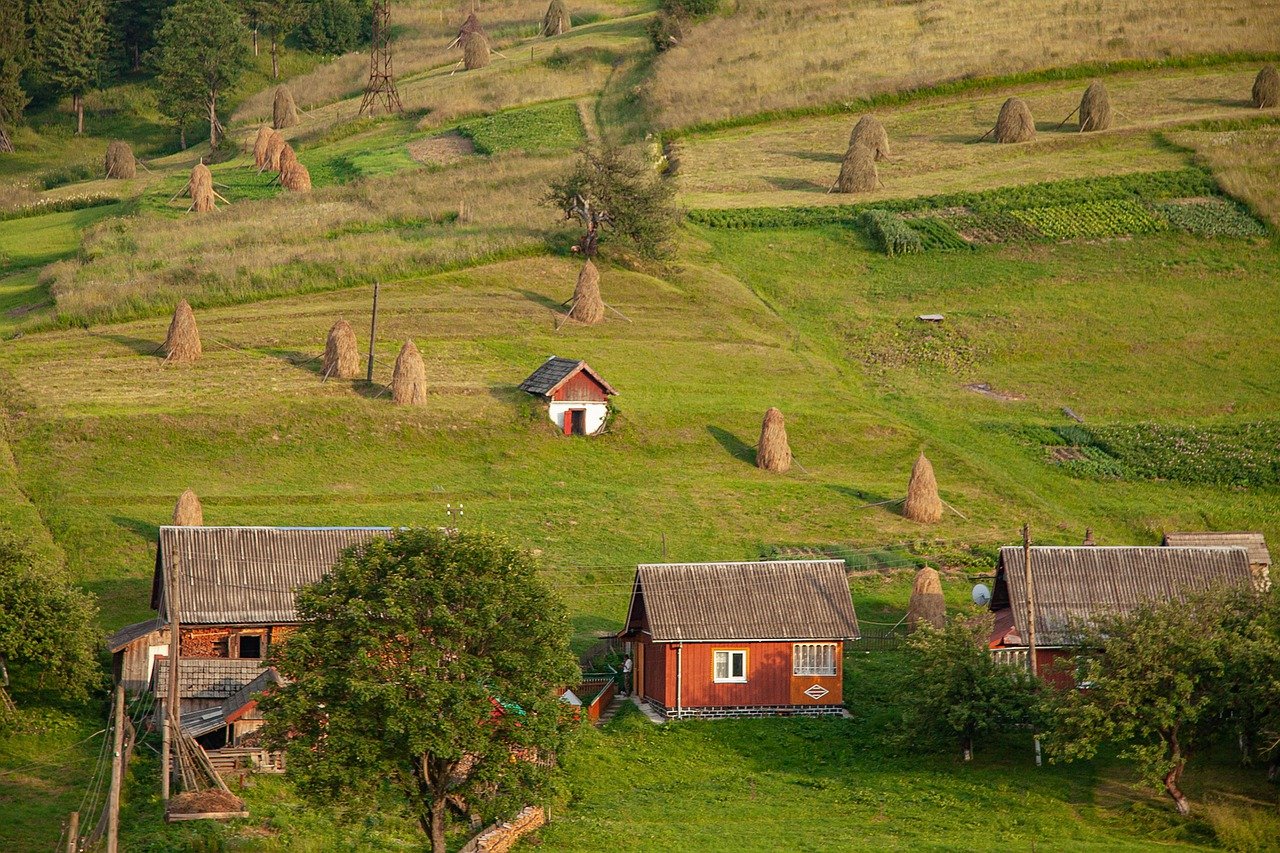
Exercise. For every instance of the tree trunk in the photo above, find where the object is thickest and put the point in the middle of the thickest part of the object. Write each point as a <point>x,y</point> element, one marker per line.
<point>255,39</point>
<point>6,147</point>
<point>275,57</point>
<point>77,103</point>
<point>438,816</point>
<point>182,136</point>
<point>137,59</point>
<point>968,749</point>
<point>214,126</point>
<point>1171,785</point>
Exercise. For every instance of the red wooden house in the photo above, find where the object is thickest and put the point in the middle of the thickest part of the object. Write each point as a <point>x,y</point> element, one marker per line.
<point>577,398</point>
<point>736,639</point>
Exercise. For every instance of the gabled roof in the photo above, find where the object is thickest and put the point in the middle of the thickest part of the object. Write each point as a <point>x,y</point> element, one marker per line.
<point>247,575</point>
<point>1254,543</point>
<point>207,678</point>
<point>784,600</point>
<point>129,633</point>
<point>204,720</point>
<point>554,372</point>
<point>1081,584</point>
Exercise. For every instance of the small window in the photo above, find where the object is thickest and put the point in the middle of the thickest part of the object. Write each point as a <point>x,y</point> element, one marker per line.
<point>1010,657</point>
<point>730,665</point>
<point>813,659</point>
<point>250,646</point>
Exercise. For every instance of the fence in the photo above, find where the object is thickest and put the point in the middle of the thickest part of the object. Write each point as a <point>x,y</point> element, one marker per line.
<point>879,638</point>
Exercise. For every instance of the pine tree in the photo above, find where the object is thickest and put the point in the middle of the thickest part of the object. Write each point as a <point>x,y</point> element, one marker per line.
<point>13,60</point>
<point>70,38</point>
<point>200,54</point>
<point>133,26</point>
<point>280,17</point>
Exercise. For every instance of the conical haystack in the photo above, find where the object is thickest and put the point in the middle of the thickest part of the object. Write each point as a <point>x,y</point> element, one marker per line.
<point>260,147</point>
<point>923,503</point>
<point>475,51</point>
<point>288,158</point>
<point>773,453</point>
<point>469,26</point>
<point>182,344</point>
<point>409,379</point>
<point>587,306</point>
<point>275,147</point>
<point>341,355</point>
<point>556,21</point>
<point>284,112</point>
<point>296,178</point>
<point>858,171</point>
<point>119,162</point>
<point>200,188</point>
<point>927,607</point>
<point>1095,108</point>
<point>188,512</point>
<point>871,133</point>
<point>1014,123</point>
<point>1266,88</point>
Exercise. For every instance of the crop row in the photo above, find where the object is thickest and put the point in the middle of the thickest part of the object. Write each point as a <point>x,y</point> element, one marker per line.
<point>1110,218</point>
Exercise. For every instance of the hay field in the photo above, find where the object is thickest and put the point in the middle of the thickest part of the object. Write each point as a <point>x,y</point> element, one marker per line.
<point>934,141</point>
<point>1246,163</point>
<point>815,52</point>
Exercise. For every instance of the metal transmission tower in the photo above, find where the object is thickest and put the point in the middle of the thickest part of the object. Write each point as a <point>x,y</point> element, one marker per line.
<point>382,83</point>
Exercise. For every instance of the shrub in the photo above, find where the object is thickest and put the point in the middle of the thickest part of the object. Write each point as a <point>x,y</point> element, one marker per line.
<point>334,26</point>
<point>892,233</point>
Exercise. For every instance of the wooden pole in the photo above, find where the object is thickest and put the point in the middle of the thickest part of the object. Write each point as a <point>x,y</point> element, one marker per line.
<point>164,757</point>
<point>117,768</point>
<point>1031,601</point>
<point>73,830</point>
<point>373,331</point>
<point>173,702</point>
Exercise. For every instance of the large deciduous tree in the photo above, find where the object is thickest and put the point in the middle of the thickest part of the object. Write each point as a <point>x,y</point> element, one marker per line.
<point>70,37</point>
<point>430,662</point>
<point>200,54</point>
<point>609,188</point>
<point>13,61</point>
<point>48,634</point>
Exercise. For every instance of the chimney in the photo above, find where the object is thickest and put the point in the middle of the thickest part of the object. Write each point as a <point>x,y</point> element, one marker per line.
<point>1088,538</point>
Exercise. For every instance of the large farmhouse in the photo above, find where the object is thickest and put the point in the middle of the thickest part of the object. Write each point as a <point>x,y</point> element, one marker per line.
<point>732,639</point>
<point>1077,585</point>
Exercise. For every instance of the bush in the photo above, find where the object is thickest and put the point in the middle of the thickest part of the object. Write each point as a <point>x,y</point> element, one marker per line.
<point>666,30</point>
<point>335,26</point>
<point>892,233</point>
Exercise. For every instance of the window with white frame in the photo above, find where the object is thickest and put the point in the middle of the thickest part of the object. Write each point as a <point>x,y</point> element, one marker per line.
<point>1010,657</point>
<point>730,665</point>
<point>813,659</point>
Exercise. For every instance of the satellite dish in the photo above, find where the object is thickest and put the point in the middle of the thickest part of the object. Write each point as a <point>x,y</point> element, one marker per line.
<point>981,595</point>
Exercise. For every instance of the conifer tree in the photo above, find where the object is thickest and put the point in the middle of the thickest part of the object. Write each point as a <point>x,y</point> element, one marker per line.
<point>70,39</point>
<point>13,60</point>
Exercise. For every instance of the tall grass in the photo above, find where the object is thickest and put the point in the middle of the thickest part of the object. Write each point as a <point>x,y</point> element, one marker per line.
<point>808,52</point>
<point>1246,163</point>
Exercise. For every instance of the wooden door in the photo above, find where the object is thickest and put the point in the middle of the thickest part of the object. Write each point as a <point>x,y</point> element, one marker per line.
<point>579,421</point>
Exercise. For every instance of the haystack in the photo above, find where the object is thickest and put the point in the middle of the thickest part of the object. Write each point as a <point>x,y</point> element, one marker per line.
<point>182,344</point>
<point>469,26</point>
<point>119,163</point>
<point>858,171</point>
<point>409,379</point>
<point>927,606</point>
<point>871,133</point>
<point>587,306</point>
<point>284,112</point>
<point>1095,108</point>
<point>475,51</point>
<point>341,356</point>
<point>200,189</point>
<point>773,453</point>
<point>260,145</point>
<point>1014,123</point>
<point>188,512</point>
<point>275,146</point>
<point>1266,88</point>
<point>556,21</point>
<point>296,178</point>
<point>923,503</point>
<point>1089,541</point>
<point>287,159</point>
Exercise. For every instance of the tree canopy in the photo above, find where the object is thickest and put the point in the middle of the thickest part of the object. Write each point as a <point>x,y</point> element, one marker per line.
<point>70,37</point>
<point>200,53</point>
<point>14,55</point>
<point>431,663</point>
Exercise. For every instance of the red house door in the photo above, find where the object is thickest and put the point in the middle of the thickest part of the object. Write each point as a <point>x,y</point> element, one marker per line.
<point>575,422</point>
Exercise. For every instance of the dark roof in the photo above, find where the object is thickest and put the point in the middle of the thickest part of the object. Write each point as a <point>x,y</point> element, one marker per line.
<point>205,720</point>
<point>207,678</point>
<point>268,679</point>
<point>1254,543</point>
<point>130,633</point>
<point>247,575</point>
<point>784,600</point>
<point>554,372</point>
<point>1080,584</point>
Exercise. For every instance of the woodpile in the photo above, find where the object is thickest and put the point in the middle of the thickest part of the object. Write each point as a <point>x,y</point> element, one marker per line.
<point>773,453</point>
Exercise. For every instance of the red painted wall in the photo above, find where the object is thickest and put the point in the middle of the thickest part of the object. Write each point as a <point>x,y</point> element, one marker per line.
<point>769,679</point>
<point>580,387</point>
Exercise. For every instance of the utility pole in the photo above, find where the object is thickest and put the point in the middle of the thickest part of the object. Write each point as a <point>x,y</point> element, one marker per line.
<point>1031,601</point>
<point>73,831</point>
<point>117,760</point>
<point>173,703</point>
<point>373,331</point>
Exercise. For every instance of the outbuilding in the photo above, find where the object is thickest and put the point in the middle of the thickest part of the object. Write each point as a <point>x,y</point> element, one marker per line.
<point>740,639</point>
<point>1254,543</point>
<point>577,397</point>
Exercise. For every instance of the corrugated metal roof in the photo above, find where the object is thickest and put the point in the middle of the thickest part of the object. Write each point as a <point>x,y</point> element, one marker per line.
<point>1081,584</point>
<point>207,678</point>
<point>268,679</point>
<point>129,633</point>
<point>783,600</point>
<point>1254,543</point>
<point>554,372</point>
<point>247,575</point>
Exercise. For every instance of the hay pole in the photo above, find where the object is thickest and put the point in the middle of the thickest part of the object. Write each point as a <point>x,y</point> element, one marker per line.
<point>616,311</point>
<point>1067,119</point>
<point>953,509</point>
<point>985,135</point>
<point>880,503</point>
<point>566,317</point>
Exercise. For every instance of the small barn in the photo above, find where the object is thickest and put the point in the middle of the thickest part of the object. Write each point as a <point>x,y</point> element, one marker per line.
<point>134,649</point>
<point>740,639</point>
<point>1254,543</point>
<point>1080,584</point>
<point>577,397</point>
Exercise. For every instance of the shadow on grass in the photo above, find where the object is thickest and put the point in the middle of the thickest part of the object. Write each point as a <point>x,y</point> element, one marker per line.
<point>309,363</point>
<point>143,529</point>
<point>815,156</point>
<point>734,446</point>
<point>794,184</point>
<point>544,301</point>
<point>1216,102</point>
<point>142,346</point>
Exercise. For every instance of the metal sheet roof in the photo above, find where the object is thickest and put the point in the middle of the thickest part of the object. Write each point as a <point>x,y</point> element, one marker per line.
<point>247,575</point>
<point>1254,543</point>
<point>136,631</point>
<point>554,372</point>
<point>1081,584</point>
<point>783,600</point>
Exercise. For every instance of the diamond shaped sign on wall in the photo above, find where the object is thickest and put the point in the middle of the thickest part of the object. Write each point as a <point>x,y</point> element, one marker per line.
<point>816,691</point>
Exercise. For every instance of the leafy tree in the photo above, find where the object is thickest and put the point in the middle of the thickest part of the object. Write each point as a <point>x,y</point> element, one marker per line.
<point>608,187</point>
<point>334,26</point>
<point>252,10</point>
<point>69,43</point>
<point>13,62</point>
<point>200,54</point>
<point>958,690</point>
<point>280,17</point>
<point>428,662</point>
<point>48,636</point>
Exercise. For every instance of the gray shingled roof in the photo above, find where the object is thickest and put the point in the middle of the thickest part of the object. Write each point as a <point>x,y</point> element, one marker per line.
<point>1081,584</point>
<point>129,633</point>
<point>554,372</point>
<point>207,678</point>
<point>783,600</point>
<point>247,575</point>
<point>1254,543</point>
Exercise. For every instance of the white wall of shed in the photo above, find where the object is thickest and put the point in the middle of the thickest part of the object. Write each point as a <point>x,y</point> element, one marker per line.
<point>596,414</point>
